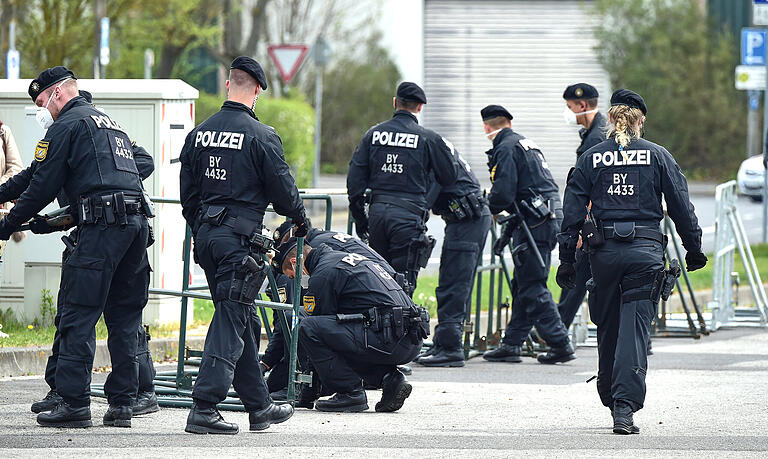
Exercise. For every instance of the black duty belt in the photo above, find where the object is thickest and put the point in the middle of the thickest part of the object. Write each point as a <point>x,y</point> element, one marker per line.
<point>109,208</point>
<point>220,216</point>
<point>399,202</point>
<point>642,232</point>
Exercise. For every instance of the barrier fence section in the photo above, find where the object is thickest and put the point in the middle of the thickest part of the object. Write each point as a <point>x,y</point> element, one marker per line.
<point>730,236</point>
<point>174,388</point>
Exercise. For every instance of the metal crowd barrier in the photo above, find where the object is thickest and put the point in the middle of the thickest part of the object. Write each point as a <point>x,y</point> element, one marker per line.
<point>174,388</point>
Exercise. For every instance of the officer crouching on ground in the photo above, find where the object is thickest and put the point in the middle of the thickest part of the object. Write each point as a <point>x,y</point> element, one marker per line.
<point>581,110</point>
<point>89,155</point>
<point>361,325</point>
<point>467,220</point>
<point>394,159</point>
<point>624,178</point>
<point>232,167</point>
<point>521,179</point>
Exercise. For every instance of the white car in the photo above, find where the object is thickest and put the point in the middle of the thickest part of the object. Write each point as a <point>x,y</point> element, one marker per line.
<point>751,177</point>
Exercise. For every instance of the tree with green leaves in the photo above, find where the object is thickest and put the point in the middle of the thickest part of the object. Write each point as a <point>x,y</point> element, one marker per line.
<point>670,53</point>
<point>357,94</point>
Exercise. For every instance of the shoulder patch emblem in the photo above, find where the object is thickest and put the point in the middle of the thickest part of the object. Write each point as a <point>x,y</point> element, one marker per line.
<point>281,293</point>
<point>493,173</point>
<point>41,150</point>
<point>309,304</point>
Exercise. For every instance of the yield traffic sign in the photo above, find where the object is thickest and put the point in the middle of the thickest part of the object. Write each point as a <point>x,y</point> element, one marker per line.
<point>288,59</point>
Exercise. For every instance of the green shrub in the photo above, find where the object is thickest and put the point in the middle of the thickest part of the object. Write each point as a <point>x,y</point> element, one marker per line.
<point>294,120</point>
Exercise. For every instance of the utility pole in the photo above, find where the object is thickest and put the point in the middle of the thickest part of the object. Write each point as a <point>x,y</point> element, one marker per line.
<point>321,53</point>
<point>100,11</point>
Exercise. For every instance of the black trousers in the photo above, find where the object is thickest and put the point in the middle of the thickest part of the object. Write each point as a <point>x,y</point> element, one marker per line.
<point>146,369</point>
<point>341,358</point>
<point>532,302</point>
<point>231,353</point>
<point>623,321</point>
<point>391,230</point>
<point>571,299</point>
<point>462,247</point>
<point>108,272</point>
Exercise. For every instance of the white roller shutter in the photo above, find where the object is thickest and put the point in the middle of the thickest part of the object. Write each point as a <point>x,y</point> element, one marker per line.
<point>520,54</point>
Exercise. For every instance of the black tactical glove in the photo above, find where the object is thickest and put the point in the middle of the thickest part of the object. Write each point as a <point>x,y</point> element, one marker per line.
<point>39,225</point>
<point>566,276</point>
<point>6,229</point>
<point>501,243</point>
<point>694,261</point>
<point>302,226</point>
<point>357,209</point>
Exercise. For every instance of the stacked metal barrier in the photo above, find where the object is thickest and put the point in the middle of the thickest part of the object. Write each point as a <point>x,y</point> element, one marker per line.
<point>730,236</point>
<point>174,388</point>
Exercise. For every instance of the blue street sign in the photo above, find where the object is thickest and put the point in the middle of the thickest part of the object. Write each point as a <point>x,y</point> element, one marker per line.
<point>753,46</point>
<point>764,2</point>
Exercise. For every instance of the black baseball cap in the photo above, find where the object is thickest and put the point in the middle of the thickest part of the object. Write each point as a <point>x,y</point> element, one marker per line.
<point>281,253</point>
<point>494,111</point>
<point>251,67</point>
<point>629,98</point>
<point>48,78</point>
<point>411,91</point>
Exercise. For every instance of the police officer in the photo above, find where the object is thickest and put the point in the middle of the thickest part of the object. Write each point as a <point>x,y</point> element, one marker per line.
<point>467,220</point>
<point>521,180</point>
<point>361,325</point>
<point>146,400</point>
<point>232,167</point>
<point>89,155</point>
<point>624,178</point>
<point>581,110</point>
<point>394,159</point>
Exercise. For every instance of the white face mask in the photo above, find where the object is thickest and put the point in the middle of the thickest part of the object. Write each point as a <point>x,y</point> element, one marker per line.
<point>304,281</point>
<point>488,135</point>
<point>570,117</point>
<point>43,115</point>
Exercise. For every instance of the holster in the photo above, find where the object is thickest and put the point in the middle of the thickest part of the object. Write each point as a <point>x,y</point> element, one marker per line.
<point>592,236</point>
<point>671,275</point>
<point>247,280</point>
<point>419,251</point>
<point>517,253</point>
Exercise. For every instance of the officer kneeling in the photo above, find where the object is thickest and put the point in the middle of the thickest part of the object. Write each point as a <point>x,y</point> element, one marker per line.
<point>361,325</point>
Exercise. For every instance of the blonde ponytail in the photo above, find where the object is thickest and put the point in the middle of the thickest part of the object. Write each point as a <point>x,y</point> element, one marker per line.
<point>627,123</point>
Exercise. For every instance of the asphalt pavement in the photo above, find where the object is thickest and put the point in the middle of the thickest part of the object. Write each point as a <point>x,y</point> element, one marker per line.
<point>705,398</point>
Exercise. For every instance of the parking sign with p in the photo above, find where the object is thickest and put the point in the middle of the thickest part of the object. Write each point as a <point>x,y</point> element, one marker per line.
<point>753,46</point>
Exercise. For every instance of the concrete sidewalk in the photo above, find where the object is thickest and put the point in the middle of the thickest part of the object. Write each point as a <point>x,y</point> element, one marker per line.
<point>705,397</point>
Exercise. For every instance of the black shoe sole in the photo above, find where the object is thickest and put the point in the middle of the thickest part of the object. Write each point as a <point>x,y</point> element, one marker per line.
<point>563,359</point>
<point>403,392</point>
<point>343,409</point>
<point>503,359</point>
<point>68,424</point>
<point>264,425</point>
<point>308,405</point>
<point>150,409</point>
<point>451,364</point>
<point>195,429</point>
<point>117,423</point>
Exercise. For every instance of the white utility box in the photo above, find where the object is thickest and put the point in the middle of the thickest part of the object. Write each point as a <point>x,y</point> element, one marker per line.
<point>157,114</point>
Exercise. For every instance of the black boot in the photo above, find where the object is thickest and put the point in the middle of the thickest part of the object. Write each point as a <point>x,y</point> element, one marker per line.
<point>118,416</point>
<point>307,396</point>
<point>622,419</point>
<point>504,353</point>
<point>344,402</point>
<point>64,415</point>
<point>146,402</point>
<point>394,390</point>
<point>273,414</point>
<point>280,395</point>
<point>557,354</point>
<point>431,351</point>
<point>444,358</point>
<point>208,420</point>
<point>405,369</point>
<point>52,398</point>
